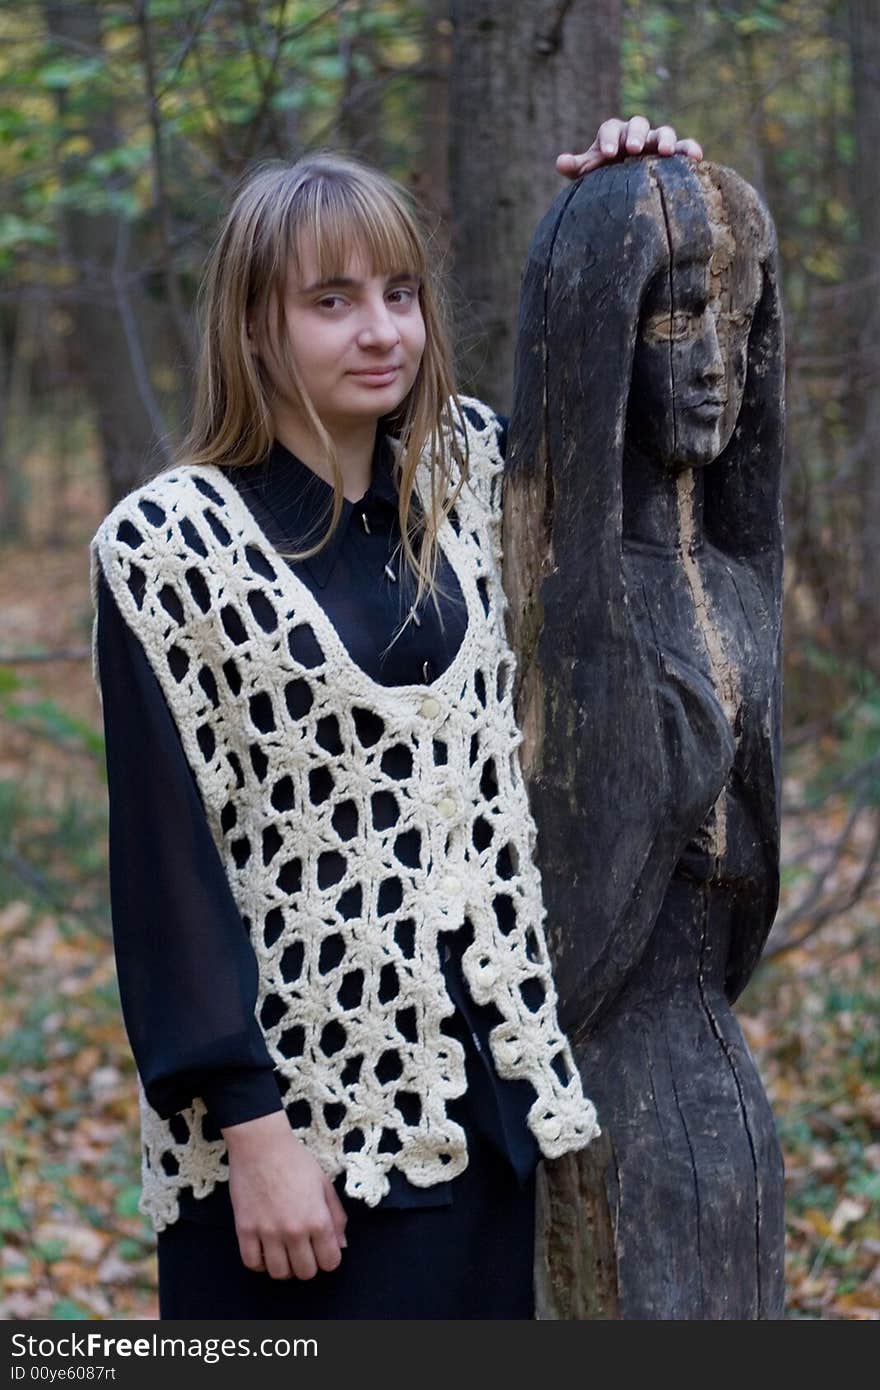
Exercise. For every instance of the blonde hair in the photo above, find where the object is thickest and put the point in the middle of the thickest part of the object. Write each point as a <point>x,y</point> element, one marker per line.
<point>343,205</point>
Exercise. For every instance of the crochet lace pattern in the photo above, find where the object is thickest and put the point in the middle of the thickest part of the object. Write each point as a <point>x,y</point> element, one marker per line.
<point>281,728</point>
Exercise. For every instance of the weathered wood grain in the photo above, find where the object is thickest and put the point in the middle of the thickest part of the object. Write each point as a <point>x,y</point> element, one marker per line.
<point>643,563</point>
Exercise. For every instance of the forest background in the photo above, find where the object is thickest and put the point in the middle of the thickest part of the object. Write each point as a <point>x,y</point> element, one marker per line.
<point>123,128</point>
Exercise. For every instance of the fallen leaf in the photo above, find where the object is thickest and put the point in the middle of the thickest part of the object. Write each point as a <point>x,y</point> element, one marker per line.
<point>80,1241</point>
<point>847,1211</point>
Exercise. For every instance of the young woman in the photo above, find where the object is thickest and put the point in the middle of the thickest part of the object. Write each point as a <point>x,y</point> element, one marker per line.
<point>327,916</point>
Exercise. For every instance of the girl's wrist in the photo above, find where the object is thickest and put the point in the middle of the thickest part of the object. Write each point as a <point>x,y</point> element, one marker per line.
<point>243,1133</point>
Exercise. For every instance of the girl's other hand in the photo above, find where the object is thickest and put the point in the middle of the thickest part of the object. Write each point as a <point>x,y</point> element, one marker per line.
<point>615,139</point>
<point>288,1217</point>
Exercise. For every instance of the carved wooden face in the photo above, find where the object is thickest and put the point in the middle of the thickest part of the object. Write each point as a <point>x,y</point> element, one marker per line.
<point>689,366</point>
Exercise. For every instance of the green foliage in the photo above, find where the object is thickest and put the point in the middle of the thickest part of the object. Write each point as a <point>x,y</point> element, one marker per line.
<point>232,84</point>
<point>764,17</point>
<point>16,231</point>
<point>48,719</point>
<point>853,758</point>
<point>127,1200</point>
<point>67,1311</point>
<point>62,74</point>
<point>764,87</point>
<point>11,1219</point>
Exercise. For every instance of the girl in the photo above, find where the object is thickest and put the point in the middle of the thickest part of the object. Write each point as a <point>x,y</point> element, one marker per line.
<point>327,916</point>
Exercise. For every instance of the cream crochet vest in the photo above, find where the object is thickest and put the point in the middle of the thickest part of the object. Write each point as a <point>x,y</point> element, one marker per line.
<point>277,742</point>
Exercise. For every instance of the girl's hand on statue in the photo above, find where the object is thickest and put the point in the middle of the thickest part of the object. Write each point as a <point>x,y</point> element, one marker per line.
<point>288,1217</point>
<point>615,139</point>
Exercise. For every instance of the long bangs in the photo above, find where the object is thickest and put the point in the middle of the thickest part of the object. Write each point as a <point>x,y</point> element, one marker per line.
<point>339,215</point>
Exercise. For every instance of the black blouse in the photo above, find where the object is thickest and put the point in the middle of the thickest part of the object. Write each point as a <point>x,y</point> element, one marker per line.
<point>193,1031</point>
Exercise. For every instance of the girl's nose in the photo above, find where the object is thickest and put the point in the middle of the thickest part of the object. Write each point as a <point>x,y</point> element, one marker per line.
<point>379,326</point>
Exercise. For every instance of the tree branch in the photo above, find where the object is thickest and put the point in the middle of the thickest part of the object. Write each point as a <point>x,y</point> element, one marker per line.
<point>179,314</point>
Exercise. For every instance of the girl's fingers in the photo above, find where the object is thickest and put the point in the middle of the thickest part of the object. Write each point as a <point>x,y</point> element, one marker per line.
<point>326,1248</point>
<point>637,131</point>
<point>251,1252</point>
<point>302,1257</point>
<point>662,140</point>
<point>565,163</point>
<point>607,141</point>
<point>278,1263</point>
<point>615,139</point>
<point>573,165</point>
<point>337,1212</point>
<point>692,148</point>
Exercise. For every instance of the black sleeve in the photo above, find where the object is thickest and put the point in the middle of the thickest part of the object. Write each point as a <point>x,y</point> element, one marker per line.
<point>187,971</point>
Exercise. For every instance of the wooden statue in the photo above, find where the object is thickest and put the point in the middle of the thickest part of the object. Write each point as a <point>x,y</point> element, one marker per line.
<point>643,563</point>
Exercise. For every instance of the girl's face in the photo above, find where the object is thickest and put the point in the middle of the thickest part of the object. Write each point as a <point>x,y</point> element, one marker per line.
<point>357,342</point>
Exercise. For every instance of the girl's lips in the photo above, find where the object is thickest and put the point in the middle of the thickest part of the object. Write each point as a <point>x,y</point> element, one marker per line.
<point>377,376</point>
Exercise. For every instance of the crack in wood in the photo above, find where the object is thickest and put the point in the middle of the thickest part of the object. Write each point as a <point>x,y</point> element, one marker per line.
<point>690,1147</point>
<point>729,1059</point>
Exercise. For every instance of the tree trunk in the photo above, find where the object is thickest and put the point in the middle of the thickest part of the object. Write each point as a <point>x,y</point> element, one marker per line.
<point>529,81</point>
<point>109,311</point>
<point>360,123</point>
<point>864,29</point>
<point>431,182</point>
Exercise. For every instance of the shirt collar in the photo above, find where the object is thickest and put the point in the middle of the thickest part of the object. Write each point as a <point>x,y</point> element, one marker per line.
<point>300,502</point>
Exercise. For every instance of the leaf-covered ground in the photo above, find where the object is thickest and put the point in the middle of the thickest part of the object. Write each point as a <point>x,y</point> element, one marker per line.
<point>812,1019</point>
<point>74,1245</point>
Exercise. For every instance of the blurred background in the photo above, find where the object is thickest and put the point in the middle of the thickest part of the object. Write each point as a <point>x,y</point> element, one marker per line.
<point>123,128</point>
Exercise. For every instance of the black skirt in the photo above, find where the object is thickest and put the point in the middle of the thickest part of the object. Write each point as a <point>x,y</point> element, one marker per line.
<point>470,1259</point>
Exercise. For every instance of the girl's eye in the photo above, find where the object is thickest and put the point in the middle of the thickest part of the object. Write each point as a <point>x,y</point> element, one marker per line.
<point>329,301</point>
